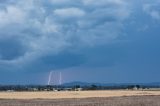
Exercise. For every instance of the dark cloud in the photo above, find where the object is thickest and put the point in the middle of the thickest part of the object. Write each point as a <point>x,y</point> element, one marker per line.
<point>53,62</point>
<point>11,49</point>
<point>62,60</point>
<point>118,37</point>
<point>48,28</point>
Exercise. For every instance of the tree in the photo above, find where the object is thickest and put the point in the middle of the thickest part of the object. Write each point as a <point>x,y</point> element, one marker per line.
<point>93,87</point>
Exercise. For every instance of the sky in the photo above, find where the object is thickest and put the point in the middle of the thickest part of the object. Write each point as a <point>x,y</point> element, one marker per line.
<point>105,41</point>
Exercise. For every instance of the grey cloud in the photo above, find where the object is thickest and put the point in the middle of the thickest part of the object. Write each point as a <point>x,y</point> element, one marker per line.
<point>69,12</point>
<point>11,49</point>
<point>63,60</point>
<point>49,62</point>
<point>53,26</point>
<point>152,9</point>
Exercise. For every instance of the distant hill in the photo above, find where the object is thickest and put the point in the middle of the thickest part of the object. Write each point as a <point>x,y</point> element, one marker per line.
<point>76,83</point>
<point>89,84</point>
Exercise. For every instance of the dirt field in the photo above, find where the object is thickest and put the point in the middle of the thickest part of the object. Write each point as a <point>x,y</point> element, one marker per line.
<point>73,94</point>
<point>109,101</point>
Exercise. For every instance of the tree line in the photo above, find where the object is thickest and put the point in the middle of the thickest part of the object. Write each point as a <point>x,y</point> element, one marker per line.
<point>74,87</point>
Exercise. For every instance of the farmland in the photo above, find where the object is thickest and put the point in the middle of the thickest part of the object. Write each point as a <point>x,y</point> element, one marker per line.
<point>74,94</point>
<point>81,98</point>
<point>105,101</point>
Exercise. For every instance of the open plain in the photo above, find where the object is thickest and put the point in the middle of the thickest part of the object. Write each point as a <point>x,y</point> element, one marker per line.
<point>75,94</point>
<point>81,98</point>
<point>101,101</point>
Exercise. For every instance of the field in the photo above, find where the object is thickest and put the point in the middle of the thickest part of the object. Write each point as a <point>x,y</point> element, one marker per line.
<point>74,94</point>
<point>81,98</point>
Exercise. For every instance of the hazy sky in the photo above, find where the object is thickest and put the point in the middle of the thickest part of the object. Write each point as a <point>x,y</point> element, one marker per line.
<point>108,41</point>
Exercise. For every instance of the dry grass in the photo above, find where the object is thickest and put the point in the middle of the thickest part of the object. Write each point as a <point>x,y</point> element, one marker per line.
<point>73,94</point>
<point>109,101</point>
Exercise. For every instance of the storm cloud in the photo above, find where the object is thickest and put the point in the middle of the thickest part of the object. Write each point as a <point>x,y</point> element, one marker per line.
<point>104,40</point>
<point>32,29</point>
